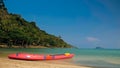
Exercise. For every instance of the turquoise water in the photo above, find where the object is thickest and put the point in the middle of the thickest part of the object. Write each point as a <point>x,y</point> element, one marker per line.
<point>100,58</point>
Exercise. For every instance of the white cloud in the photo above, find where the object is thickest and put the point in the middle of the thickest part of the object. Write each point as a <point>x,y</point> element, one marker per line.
<point>92,39</point>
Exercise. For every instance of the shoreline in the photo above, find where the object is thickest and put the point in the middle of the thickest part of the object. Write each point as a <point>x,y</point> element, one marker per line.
<point>81,61</point>
<point>10,63</point>
<point>5,62</point>
<point>32,46</point>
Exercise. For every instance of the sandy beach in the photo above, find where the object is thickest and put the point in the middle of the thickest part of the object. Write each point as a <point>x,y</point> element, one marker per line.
<point>10,63</point>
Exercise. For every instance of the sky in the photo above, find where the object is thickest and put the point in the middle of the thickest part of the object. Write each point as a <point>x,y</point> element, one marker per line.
<point>81,23</point>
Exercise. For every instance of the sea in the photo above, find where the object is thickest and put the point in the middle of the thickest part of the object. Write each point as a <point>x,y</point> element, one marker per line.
<point>96,58</point>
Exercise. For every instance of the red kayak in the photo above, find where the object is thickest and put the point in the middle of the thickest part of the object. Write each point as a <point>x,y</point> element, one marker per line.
<point>26,56</point>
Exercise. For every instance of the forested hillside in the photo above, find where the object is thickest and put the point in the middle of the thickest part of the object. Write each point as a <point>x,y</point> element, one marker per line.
<point>16,31</point>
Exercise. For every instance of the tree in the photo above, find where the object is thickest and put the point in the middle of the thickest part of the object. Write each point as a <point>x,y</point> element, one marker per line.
<point>16,31</point>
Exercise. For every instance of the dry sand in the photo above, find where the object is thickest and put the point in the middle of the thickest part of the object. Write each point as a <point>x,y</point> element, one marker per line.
<point>10,63</point>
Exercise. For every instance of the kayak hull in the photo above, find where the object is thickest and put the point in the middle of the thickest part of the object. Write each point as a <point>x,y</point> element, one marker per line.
<point>35,57</point>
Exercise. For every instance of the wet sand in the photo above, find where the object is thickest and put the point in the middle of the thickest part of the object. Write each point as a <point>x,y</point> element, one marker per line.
<point>10,63</point>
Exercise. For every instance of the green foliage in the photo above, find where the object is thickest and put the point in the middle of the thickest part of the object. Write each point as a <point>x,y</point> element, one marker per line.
<point>15,31</point>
